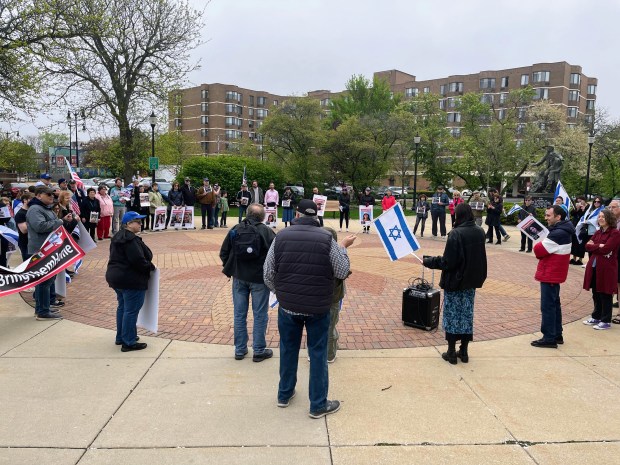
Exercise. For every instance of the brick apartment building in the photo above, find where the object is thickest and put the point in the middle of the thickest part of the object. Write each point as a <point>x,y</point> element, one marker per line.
<point>218,116</point>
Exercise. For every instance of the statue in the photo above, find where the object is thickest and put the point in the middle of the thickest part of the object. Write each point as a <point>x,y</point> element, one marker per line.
<point>548,178</point>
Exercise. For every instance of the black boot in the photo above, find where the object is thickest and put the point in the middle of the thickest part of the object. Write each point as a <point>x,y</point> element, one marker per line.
<point>462,353</point>
<point>450,356</point>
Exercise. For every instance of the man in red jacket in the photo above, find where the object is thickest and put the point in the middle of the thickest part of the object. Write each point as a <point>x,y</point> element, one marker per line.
<point>553,254</point>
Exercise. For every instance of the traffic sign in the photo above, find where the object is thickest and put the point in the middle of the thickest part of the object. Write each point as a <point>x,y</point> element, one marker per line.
<point>153,163</point>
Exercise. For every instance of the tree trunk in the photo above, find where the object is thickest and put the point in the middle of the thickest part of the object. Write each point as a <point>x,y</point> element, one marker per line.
<point>127,150</point>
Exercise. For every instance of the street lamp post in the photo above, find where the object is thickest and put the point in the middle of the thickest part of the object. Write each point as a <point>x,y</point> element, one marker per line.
<point>590,143</point>
<point>416,141</point>
<point>70,118</point>
<point>153,121</point>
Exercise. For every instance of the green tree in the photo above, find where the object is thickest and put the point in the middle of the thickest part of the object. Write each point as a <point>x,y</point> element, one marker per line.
<point>605,161</point>
<point>174,148</point>
<point>363,97</point>
<point>293,139</point>
<point>17,156</point>
<point>106,152</point>
<point>227,171</point>
<point>128,56</point>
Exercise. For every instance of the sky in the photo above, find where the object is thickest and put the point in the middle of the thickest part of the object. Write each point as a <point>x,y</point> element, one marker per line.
<point>290,47</point>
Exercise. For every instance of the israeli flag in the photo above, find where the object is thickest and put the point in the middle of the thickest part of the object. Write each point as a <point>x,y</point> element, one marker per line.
<point>9,235</point>
<point>515,208</point>
<point>78,264</point>
<point>395,234</point>
<point>561,192</point>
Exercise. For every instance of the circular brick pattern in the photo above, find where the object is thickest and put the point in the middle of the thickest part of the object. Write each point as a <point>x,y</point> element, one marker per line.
<point>196,301</point>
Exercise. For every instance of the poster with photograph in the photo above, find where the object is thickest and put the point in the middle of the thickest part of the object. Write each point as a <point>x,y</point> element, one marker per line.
<point>421,210</point>
<point>271,216</point>
<point>188,218</point>
<point>176,217</point>
<point>366,215</point>
<point>144,200</point>
<point>435,200</point>
<point>321,203</point>
<point>94,217</point>
<point>159,221</point>
<point>286,203</point>
<point>477,206</point>
<point>244,201</point>
<point>533,228</point>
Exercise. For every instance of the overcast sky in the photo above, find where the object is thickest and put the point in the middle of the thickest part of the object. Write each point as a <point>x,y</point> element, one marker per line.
<point>290,47</point>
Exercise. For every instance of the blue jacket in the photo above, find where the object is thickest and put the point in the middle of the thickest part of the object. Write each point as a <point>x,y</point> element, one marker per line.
<point>443,199</point>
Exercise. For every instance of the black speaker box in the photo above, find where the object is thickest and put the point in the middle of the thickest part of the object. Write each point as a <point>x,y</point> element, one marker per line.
<point>421,308</point>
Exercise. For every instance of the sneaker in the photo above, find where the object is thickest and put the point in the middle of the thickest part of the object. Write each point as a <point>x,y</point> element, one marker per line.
<point>268,353</point>
<point>241,356</point>
<point>48,316</point>
<point>543,343</point>
<point>284,403</point>
<point>591,322</point>
<point>506,237</point>
<point>136,346</point>
<point>332,406</point>
<point>57,303</point>
<point>602,325</point>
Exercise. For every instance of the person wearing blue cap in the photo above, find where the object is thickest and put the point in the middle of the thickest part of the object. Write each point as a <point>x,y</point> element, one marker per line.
<point>128,272</point>
<point>45,180</point>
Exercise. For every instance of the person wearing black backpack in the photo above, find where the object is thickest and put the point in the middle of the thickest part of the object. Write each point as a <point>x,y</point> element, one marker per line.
<point>243,254</point>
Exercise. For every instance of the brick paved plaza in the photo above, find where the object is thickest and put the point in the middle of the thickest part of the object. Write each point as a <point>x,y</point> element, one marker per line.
<point>196,300</point>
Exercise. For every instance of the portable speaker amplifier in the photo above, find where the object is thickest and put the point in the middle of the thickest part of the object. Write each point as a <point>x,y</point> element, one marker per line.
<point>421,308</point>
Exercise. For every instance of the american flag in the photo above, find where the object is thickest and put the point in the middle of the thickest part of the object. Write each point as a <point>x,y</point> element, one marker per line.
<point>75,207</point>
<point>74,175</point>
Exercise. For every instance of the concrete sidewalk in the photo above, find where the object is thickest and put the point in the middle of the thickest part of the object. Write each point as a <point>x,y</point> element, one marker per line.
<point>68,396</point>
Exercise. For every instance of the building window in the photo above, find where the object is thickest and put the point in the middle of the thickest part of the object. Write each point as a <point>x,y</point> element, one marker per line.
<point>505,81</point>
<point>589,104</point>
<point>525,79</point>
<point>204,132</point>
<point>250,111</point>
<point>592,89</point>
<point>541,94</point>
<point>261,101</point>
<point>250,123</point>
<point>204,119</point>
<point>411,92</point>
<point>455,132</point>
<point>204,94</point>
<point>229,108</point>
<point>275,103</point>
<point>251,100</point>
<point>487,83</point>
<point>325,102</point>
<point>522,113</point>
<point>575,78</point>
<point>231,121</point>
<point>177,122</point>
<point>503,97</point>
<point>232,96</point>
<point>442,104</point>
<point>442,89</point>
<point>204,107</point>
<point>520,128</point>
<point>204,145</point>
<point>571,112</point>
<point>427,90</point>
<point>232,134</point>
<point>456,87</point>
<point>501,114</point>
<point>261,113</point>
<point>487,98</point>
<point>454,117</point>
<point>259,124</point>
<point>541,76</point>
<point>589,119</point>
<point>573,95</point>
<point>453,102</point>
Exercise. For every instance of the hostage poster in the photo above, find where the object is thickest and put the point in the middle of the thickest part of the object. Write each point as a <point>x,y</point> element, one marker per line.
<point>59,251</point>
<point>176,217</point>
<point>159,219</point>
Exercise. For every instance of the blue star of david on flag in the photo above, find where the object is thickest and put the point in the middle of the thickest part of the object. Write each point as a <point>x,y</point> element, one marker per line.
<point>395,233</point>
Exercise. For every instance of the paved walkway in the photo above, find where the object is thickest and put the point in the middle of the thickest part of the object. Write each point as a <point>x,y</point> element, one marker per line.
<point>196,300</point>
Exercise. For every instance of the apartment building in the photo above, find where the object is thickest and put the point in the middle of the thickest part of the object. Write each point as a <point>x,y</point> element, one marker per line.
<point>222,116</point>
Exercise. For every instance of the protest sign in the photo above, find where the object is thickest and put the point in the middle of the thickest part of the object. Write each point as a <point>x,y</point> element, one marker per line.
<point>144,200</point>
<point>149,313</point>
<point>321,202</point>
<point>533,228</point>
<point>159,219</point>
<point>188,218</point>
<point>176,217</point>
<point>366,215</point>
<point>271,216</point>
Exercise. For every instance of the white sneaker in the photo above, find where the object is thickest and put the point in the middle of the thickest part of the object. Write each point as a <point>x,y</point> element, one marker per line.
<point>591,322</point>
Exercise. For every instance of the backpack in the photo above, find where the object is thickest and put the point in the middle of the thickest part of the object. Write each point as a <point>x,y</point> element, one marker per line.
<point>247,242</point>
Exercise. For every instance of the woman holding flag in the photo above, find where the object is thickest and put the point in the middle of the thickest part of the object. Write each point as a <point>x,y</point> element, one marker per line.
<point>578,249</point>
<point>588,225</point>
<point>463,268</point>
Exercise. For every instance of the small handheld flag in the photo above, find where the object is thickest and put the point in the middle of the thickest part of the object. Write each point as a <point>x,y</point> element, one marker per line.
<point>74,175</point>
<point>561,192</point>
<point>515,208</point>
<point>395,234</point>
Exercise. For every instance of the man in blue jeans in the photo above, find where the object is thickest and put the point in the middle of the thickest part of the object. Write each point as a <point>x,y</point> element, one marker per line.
<point>553,253</point>
<point>300,268</point>
<point>243,254</point>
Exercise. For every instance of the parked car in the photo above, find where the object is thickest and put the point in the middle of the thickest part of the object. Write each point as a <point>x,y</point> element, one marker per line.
<point>89,183</point>
<point>297,190</point>
<point>164,187</point>
<point>381,192</point>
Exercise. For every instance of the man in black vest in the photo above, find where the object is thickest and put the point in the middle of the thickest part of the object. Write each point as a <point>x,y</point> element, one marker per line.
<point>300,268</point>
<point>247,274</point>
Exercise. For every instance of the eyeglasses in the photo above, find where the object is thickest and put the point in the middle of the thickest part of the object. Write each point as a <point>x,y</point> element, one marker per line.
<point>597,201</point>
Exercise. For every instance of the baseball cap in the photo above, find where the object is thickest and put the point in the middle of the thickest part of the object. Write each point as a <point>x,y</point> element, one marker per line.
<point>61,180</point>
<point>205,179</point>
<point>131,216</point>
<point>307,207</point>
<point>45,176</point>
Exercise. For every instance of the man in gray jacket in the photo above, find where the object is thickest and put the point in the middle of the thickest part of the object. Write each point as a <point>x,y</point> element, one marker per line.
<point>41,221</point>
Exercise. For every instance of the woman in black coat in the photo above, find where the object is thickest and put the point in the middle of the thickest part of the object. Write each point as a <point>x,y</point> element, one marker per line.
<point>494,212</point>
<point>464,269</point>
<point>129,269</point>
<point>366,200</point>
<point>90,205</point>
<point>344,204</point>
